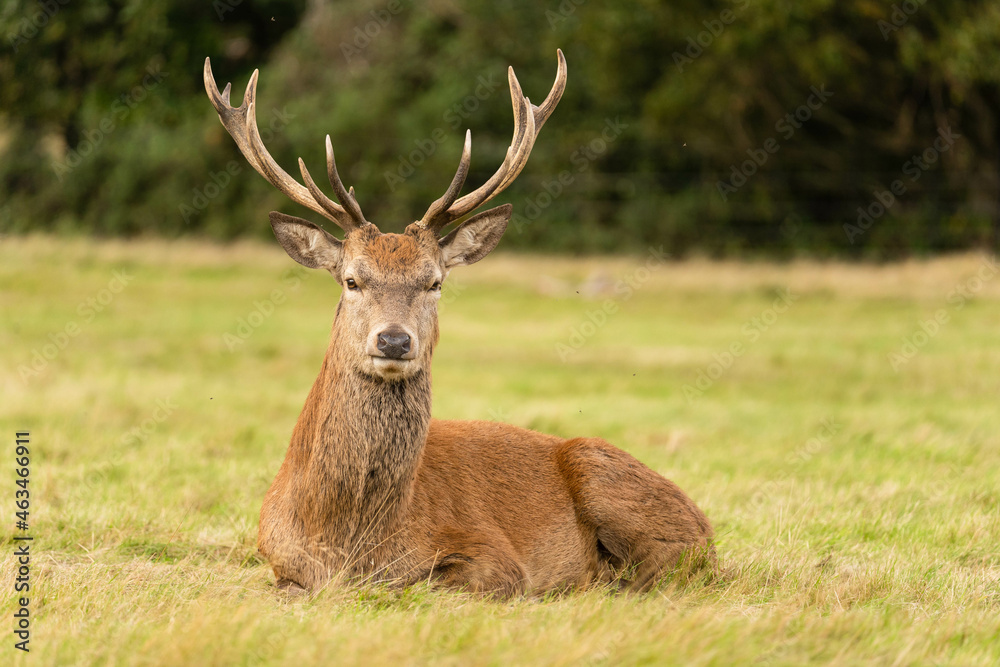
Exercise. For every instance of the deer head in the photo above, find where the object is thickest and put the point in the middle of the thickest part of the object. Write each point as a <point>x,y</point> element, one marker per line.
<point>387,316</point>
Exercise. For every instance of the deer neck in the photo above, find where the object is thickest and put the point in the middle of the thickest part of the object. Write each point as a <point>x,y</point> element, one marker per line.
<point>359,440</point>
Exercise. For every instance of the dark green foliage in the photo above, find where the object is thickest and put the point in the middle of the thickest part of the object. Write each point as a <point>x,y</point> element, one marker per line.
<point>666,103</point>
<point>103,125</point>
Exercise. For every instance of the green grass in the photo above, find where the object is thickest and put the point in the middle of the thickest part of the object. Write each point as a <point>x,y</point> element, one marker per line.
<point>856,507</point>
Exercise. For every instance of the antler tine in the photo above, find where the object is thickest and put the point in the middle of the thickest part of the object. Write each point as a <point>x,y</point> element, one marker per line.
<point>346,197</point>
<point>241,123</point>
<point>528,120</point>
<point>232,119</point>
<point>441,204</point>
<point>332,210</point>
<point>524,130</point>
<point>489,189</point>
<point>552,99</point>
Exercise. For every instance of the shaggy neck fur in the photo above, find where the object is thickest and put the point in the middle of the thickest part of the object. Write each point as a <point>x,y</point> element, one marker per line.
<point>358,444</point>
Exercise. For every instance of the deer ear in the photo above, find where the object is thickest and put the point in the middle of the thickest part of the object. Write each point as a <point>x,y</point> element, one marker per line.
<point>476,237</point>
<point>308,244</point>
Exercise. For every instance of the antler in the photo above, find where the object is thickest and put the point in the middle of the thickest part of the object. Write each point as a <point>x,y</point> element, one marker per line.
<point>528,120</point>
<point>241,123</point>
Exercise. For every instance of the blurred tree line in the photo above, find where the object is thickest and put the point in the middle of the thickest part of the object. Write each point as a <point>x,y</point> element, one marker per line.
<point>858,127</point>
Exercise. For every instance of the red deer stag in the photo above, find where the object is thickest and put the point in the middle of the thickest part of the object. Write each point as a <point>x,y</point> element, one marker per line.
<point>371,486</point>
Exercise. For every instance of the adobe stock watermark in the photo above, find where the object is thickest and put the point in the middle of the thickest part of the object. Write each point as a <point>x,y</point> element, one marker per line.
<point>786,127</point>
<point>713,28</point>
<point>29,26</point>
<point>625,289</point>
<point>944,482</point>
<point>220,180</point>
<point>263,310</point>
<point>453,288</point>
<point>790,226</point>
<point>499,414</point>
<point>565,9</point>
<point>752,330</point>
<point>828,428</point>
<point>899,17</point>
<point>268,648</point>
<point>88,309</point>
<point>885,199</point>
<point>363,35</point>
<point>120,110</point>
<point>582,158</point>
<point>486,86</point>
<point>931,327</point>
<point>96,477</point>
<point>223,7</point>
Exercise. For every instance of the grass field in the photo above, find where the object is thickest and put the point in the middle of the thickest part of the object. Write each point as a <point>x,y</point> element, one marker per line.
<point>857,505</point>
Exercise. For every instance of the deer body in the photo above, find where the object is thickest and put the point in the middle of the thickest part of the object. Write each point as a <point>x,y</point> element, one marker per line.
<point>372,487</point>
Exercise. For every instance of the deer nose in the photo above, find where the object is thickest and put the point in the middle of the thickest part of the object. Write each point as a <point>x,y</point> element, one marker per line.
<point>394,343</point>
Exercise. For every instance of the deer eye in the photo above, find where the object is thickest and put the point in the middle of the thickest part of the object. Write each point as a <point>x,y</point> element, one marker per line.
<point>436,287</point>
<point>351,285</point>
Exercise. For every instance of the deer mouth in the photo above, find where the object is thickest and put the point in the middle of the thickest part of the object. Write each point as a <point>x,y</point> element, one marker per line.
<point>392,368</point>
